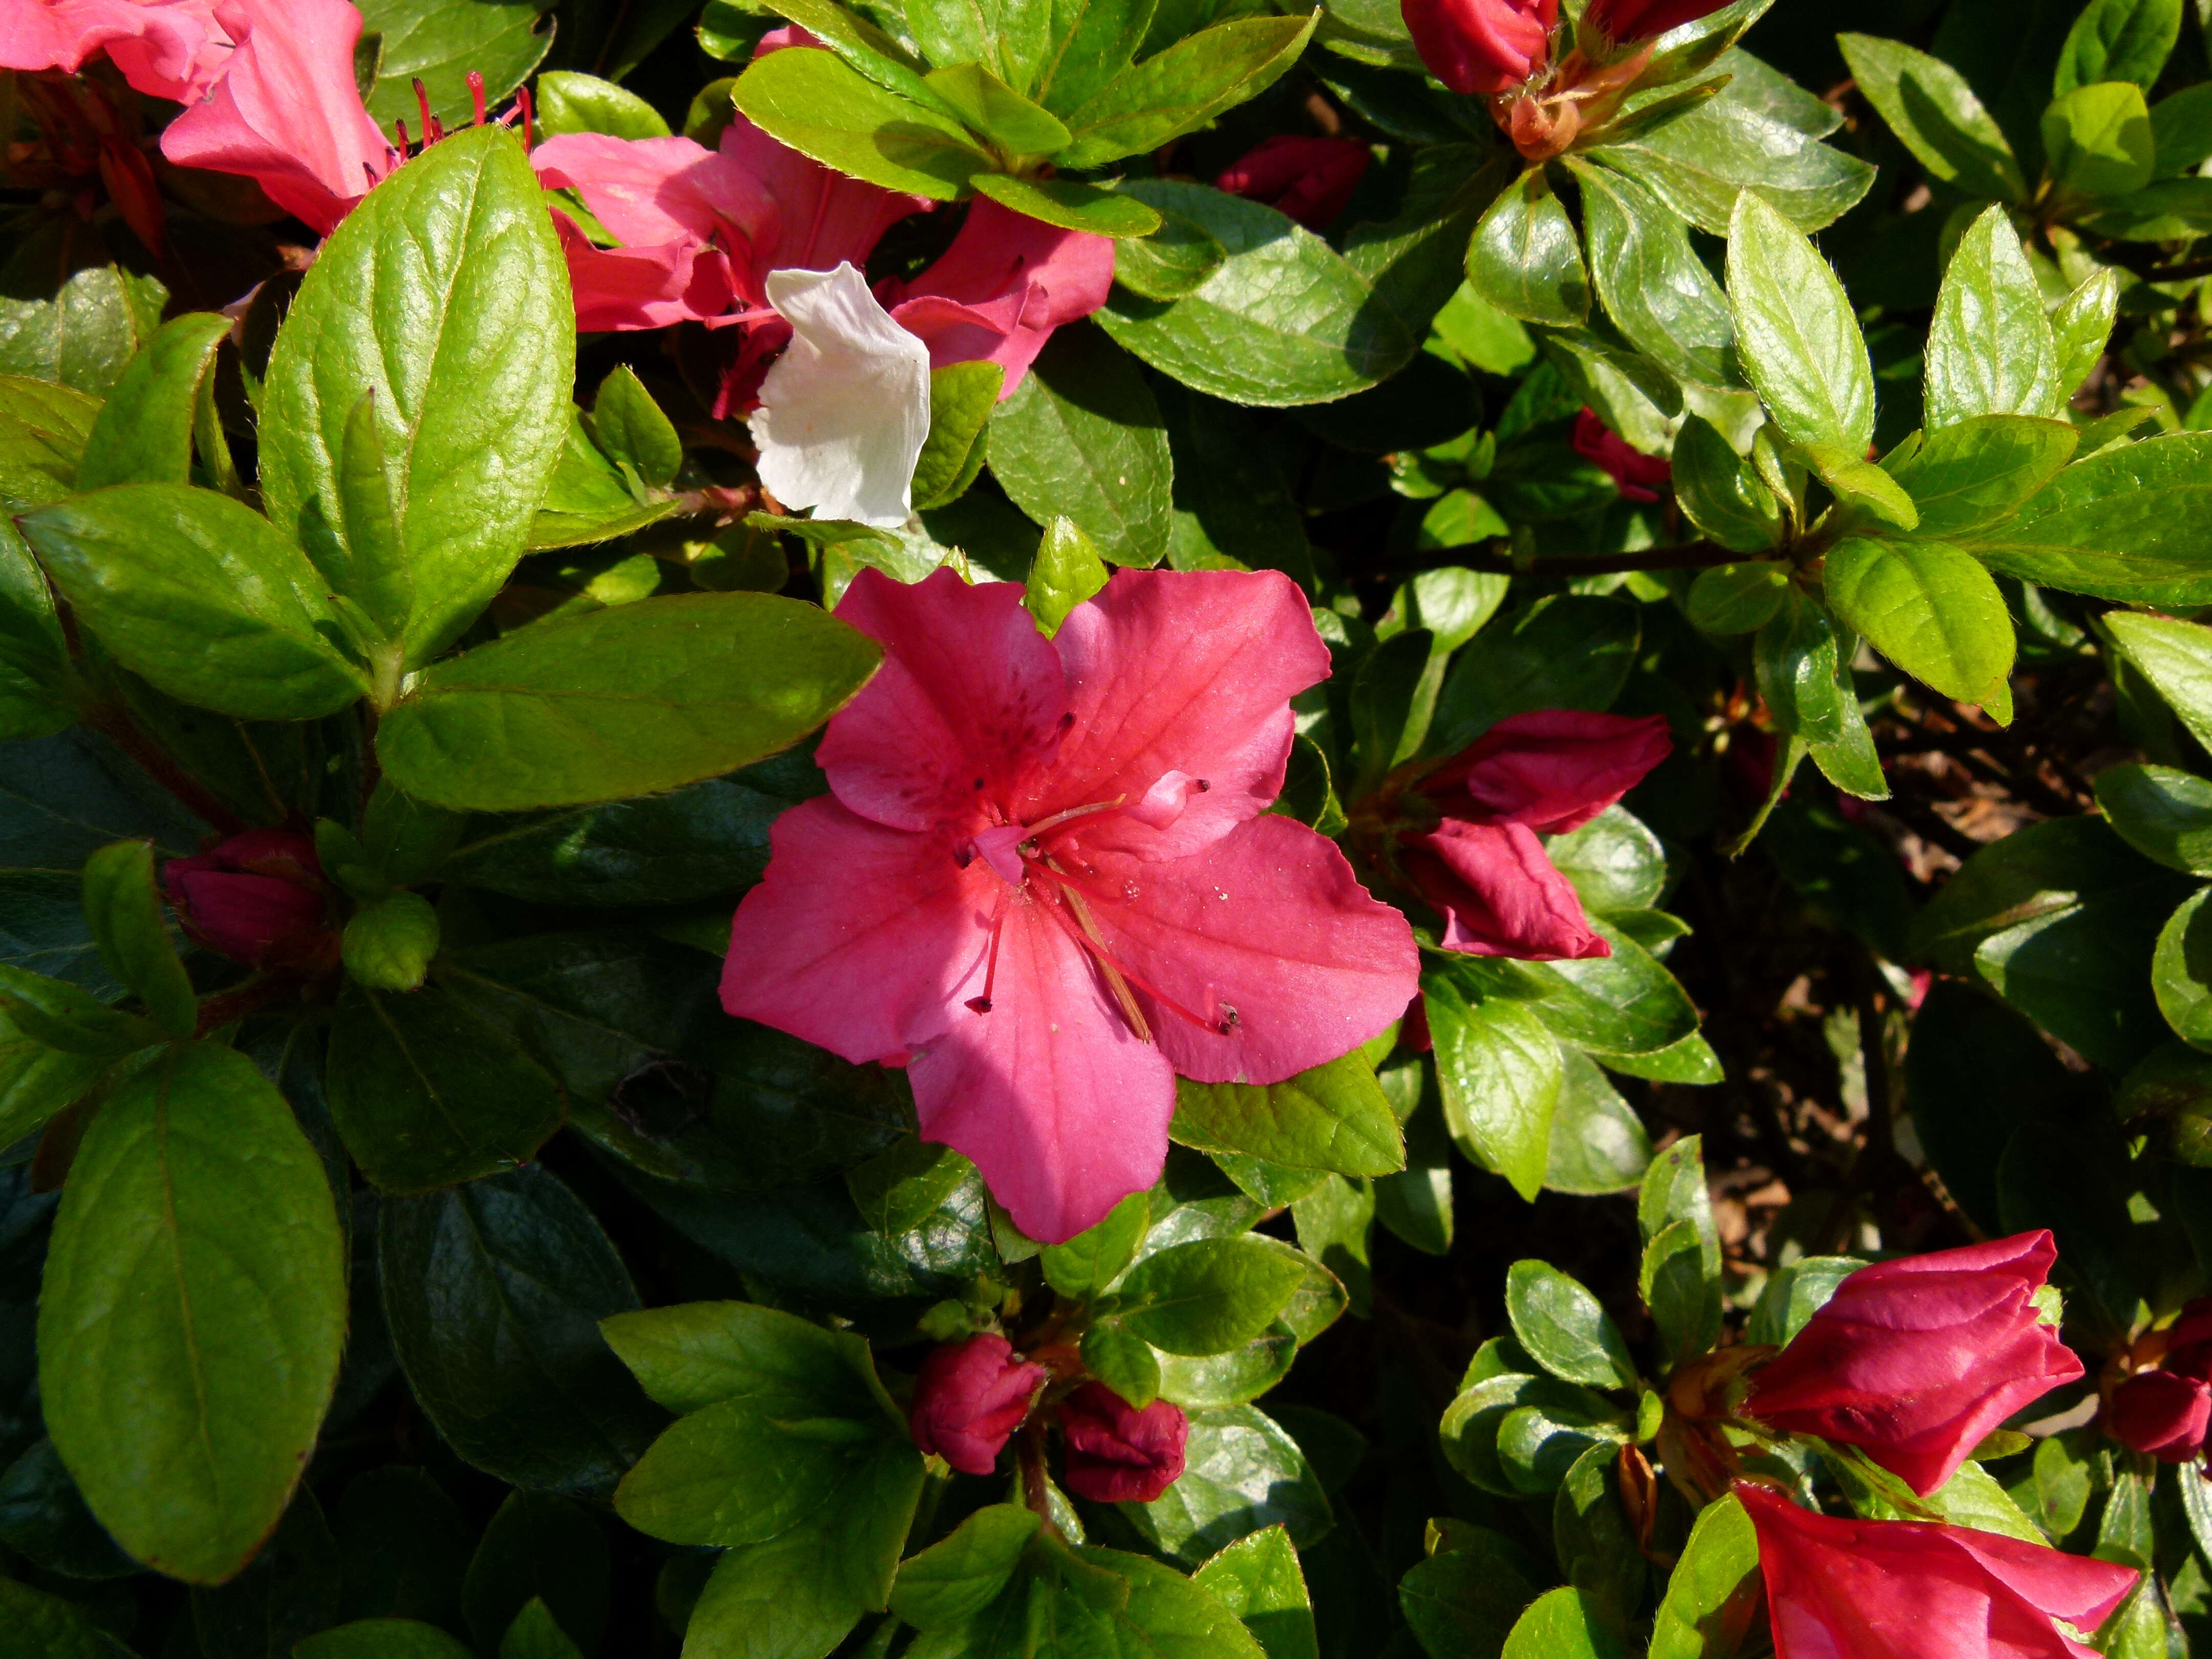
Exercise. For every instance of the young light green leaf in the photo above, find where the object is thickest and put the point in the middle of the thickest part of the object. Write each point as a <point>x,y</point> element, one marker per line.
<point>1990,349</point>
<point>1181,88</point>
<point>570,102</point>
<point>1930,107</point>
<point>193,1311</point>
<point>201,595</point>
<point>1526,258</point>
<point>2098,140</point>
<point>2081,328</point>
<point>1563,1624</point>
<point>823,107</point>
<point>1067,571</point>
<point>144,432</point>
<point>1968,477</point>
<point>1794,331</point>
<point>2118,41</point>
<point>1860,485</point>
<point>1333,1117</point>
<point>994,109</point>
<point>630,426</point>
<point>1071,204</point>
<point>1933,610</point>
<point>962,396</point>
<point>1259,1580</point>
<point>389,943</point>
<point>123,906</point>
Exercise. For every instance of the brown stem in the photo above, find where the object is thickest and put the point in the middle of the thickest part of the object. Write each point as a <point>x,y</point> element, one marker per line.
<point>1690,556</point>
<point>114,722</point>
<point>1029,1453</point>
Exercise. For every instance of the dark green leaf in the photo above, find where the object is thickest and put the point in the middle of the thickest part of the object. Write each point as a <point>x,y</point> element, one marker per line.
<point>1333,1117</point>
<point>1240,1473</point>
<point>1526,258</point>
<point>382,1638</point>
<point>1087,1263</point>
<point>544,1548</point>
<point>1568,651</point>
<point>1721,491</point>
<point>144,432</point>
<point>1930,107</point>
<point>289,1590</point>
<point>1498,1070</point>
<point>2163,813</point>
<point>42,1626</point>
<point>1562,1327</point>
<point>1082,438</point>
<point>1795,659</point>
<point>440,41</point>
<point>1206,1296</point>
<point>2118,41</point>
<point>122,907</point>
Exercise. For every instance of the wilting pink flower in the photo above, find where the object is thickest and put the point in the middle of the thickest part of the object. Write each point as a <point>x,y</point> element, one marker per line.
<point>287,113</point>
<point>164,48</point>
<point>1838,1589</point>
<point>1623,20</point>
<point>1117,1453</point>
<point>1636,472</point>
<point>997,292</point>
<point>1484,867</point>
<point>1916,1360</point>
<point>1045,878</point>
<point>969,1398</point>
<point>2162,1414</point>
<point>1482,45</point>
<point>258,897</point>
<point>1308,179</point>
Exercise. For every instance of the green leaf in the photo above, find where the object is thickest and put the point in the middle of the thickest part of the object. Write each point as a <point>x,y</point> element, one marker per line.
<point>1205,1297</point>
<point>1973,474</point>
<point>1564,1329</point>
<point>202,596</point>
<point>1681,1287</point>
<point>69,1017</point>
<point>1058,55</point>
<point>99,318</point>
<point>569,102</point>
<point>1082,438</point>
<point>1712,1595</point>
<point>1592,1538</point>
<point>1463,1598</point>
<point>1721,492</point>
<point>945,1585</point>
<point>1173,261</point>
<point>1498,1070</point>
<point>1565,651</point>
<point>1795,659</point>
<point>193,1311</point>
<point>1283,319</point>
<point>2133,523</point>
<point>1087,1263</point>
<point>1240,1473</point>
<point>2182,125</point>
<point>1796,334</point>
<point>382,1638</point>
<point>1563,1624</point>
<point>1258,1579</point>
<point>389,943</point>
<point>1861,487</point>
<point>1126,1363</point>
<point>622,702</point>
<point>1614,862</point>
<point>994,109</point>
<point>588,499</point>
<point>427,1092</point>
<point>1526,258</point>
<point>2163,813</point>
<point>1737,598</point>
<point>37,1082</point>
<point>122,907</point>
<point>2176,658</point>
<point>1990,349</point>
<point>2181,972</point>
<point>2100,142</point>
<point>1181,88</point>
<point>1234,1378</point>
<point>1626,1003</point>
<point>1655,288</point>
<point>43,429</point>
<point>144,432</point>
<point>820,106</point>
<point>445,294</point>
<point>440,41</point>
<point>630,426</point>
<point>1598,1144</point>
<point>1071,204</point>
<point>493,1293</point>
<point>962,396</point>
<point>536,1635</point>
<point>1333,1117</point>
<point>1928,607</point>
<point>1932,110</point>
<point>2081,328</point>
<point>539,1547</point>
<point>375,573</point>
<point>2118,41</point>
<point>1067,571</point>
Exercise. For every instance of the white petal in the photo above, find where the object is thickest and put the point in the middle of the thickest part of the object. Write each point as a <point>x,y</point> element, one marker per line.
<point>844,411</point>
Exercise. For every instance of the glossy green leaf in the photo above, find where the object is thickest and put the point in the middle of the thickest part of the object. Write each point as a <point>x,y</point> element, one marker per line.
<point>1598,1143</point>
<point>630,426</point>
<point>1931,609</point>
<point>2163,813</point>
<point>1564,1329</point>
<point>1566,651</point>
<point>570,102</point>
<point>1173,261</point>
<point>622,702</point>
<point>1333,1117</point>
<point>962,396</point>
<point>1721,493</point>
<point>144,432</point>
<point>1930,107</point>
<point>438,42</point>
<point>1990,351</point>
<point>1795,333</point>
<point>1259,1580</point>
<point>994,109</point>
<point>2133,523</point>
<point>382,1638</point>
<point>1082,438</point>
<point>1498,1070</point>
<point>1181,88</point>
<point>1968,477</point>
<point>823,107</point>
<point>2118,41</point>
<point>1713,1593</point>
<point>1087,1263</point>
<point>1655,289</point>
<point>202,596</point>
<point>1737,598</point>
<point>1124,1362</point>
<point>123,906</point>
<point>1067,571</point>
<point>1205,1297</point>
<point>2098,140</point>
<point>2176,658</point>
<point>2082,327</point>
<point>193,1311</point>
<point>1860,487</point>
<point>1794,657</point>
<point>1526,258</point>
<point>1563,1624</point>
<point>1240,1473</point>
<point>1071,204</point>
<point>446,294</point>
<point>96,320</point>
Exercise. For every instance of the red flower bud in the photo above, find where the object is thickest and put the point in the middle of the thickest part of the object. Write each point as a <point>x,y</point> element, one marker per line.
<point>1482,45</point>
<point>969,1399</point>
<point>1117,1454</point>
<point>1310,179</point>
<point>1838,1589</point>
<point>1636,472</point>
<point>1916,1360</point>
<point>258,897</point>
<point>1622,20</point>
<point>2162,1414</point>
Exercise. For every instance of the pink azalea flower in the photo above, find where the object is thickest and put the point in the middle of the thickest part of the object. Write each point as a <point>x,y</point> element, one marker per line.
<point>1045,879</point>
<point>969,1398</point>
<point>1483,866</point>
<point>1116,1453</point>
<point>1638,475</point>
<point>287,113</point>
<point>164,48</point>
<point>1308,179</point>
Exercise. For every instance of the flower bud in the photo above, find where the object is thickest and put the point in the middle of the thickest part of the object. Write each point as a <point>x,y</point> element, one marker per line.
<point>1482,45</point>
<point>258,897</point>
<point>969,1399</point>
<point>1620,22</point>
<point>1117,1454</point>
<point>2162,1414</point>
<point>1309,180</point>
<point>1636,473</point>
<point>1916,1360</point>
<point>1841,1589</point>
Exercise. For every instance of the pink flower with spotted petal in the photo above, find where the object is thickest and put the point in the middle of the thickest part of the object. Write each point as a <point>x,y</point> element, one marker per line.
<point>1046,880</point>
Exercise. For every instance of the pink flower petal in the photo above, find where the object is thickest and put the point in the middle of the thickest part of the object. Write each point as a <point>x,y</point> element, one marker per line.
<point>1061,1107</point>
<point>968,698</point>
<point>287,113</point>
<point>858,936</point>
<point>655,191</point>
<point>1553,769</point>
<point>1271,921</point>
<point>1189,672</point>
<point>633,287</point>
<point>822,219</point>
<point>1498,893</point>
<point>171,49</point>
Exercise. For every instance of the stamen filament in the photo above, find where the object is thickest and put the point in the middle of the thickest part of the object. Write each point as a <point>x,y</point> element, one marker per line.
<point>982,1005</point>
<point>1059,818</point>
<point>1120,978</point>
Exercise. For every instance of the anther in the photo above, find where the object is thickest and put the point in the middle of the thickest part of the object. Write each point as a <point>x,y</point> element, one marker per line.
<point>1203,785</point>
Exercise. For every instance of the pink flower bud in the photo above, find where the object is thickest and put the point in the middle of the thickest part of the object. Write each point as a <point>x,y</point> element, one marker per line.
<point>969,1399</point>
<point>258,897</point>
<point>1310,179</point>
<point>1622,20</point>
<point>1636,472</point>
<point>2162,1414</point>
<point>1117,1454</point>
<point>1482,45</point>
<point>1916,1360</point>
<point>1840,1589</point>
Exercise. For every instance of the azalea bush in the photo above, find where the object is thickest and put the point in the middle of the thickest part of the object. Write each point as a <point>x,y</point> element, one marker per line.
<point>1097,829</point>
